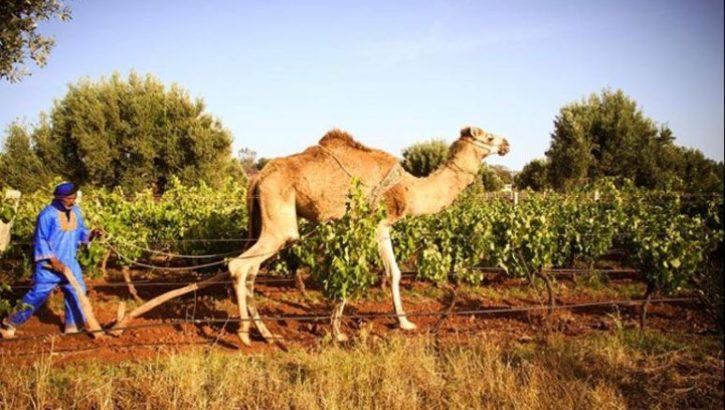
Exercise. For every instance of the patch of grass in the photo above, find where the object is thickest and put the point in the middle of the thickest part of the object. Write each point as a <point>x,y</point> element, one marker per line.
<point>617,370</point>
<point>496,294</point>
<point>634,290</point>
<point>377,295</point>
<point>648,342</point>
<point>425,291</point>
<point>591,280</point>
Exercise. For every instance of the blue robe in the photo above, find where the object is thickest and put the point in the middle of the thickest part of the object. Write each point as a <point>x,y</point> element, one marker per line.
<point>58,232</point>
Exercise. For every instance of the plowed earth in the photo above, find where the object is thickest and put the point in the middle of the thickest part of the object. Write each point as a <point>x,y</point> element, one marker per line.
<point>303,321</point>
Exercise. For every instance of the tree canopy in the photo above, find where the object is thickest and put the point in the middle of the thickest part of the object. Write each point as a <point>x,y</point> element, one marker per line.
<point>533,175</point>
<point>490,178</point>
<point>19,36</point>
<point>133,133</point>
<point>424,157</point>
<point>20,165</point>
<point>607,135</point>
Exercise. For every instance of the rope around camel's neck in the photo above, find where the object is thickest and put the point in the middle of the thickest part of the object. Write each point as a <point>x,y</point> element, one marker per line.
<point>453,165</point>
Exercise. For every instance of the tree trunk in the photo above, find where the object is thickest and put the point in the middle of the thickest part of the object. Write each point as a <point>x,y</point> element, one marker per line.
<point>550,292</point>
<point>647,297</point>
<point>300,283</point>
<point>131,288</point>
<point>104,263</point>
<point>449,310</point>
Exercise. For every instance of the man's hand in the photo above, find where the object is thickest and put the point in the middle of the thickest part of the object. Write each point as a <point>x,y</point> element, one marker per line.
<point>57,265</point>
<point>97,233</point>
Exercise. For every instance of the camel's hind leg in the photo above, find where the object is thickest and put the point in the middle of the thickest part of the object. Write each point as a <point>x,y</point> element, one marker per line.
<point>279,226</point>
<point>385,248</point>
<point>251,305</point>
<point>240,268</point>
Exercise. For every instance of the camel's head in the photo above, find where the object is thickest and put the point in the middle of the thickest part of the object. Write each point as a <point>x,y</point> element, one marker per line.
<point>482,139</point>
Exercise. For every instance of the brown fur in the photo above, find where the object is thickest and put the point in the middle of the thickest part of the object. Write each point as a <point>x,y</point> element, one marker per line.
<point>337,137</point>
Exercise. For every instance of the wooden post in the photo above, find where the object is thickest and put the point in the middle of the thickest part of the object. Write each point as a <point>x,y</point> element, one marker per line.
<point>90,318</point>
<point>5,233</point>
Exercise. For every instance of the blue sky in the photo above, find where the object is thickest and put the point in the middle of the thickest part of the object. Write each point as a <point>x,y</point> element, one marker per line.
<point>279,74</point>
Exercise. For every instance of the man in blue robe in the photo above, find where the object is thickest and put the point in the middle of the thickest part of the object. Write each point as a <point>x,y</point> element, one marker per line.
<point>59,231</point>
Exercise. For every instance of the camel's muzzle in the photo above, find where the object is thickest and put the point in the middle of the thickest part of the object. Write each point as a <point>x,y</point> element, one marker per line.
<point>503,149</point>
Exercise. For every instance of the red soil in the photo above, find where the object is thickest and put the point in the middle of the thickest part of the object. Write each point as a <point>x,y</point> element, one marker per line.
<point>282,299</point>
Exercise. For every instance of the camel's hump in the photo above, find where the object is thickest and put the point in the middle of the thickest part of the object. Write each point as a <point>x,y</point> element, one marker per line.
<point>338,137</point>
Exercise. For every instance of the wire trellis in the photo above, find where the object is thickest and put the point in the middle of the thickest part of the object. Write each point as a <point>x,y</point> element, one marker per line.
<point>270,277</point>
<point>365,316</point>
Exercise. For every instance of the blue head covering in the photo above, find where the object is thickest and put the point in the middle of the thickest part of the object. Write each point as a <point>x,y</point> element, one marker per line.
<point>65,189</point>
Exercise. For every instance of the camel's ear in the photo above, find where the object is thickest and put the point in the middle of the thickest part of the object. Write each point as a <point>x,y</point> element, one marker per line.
<point>471,132</point>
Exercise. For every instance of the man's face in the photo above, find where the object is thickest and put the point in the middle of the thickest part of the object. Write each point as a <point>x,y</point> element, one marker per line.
<point>68,201</point>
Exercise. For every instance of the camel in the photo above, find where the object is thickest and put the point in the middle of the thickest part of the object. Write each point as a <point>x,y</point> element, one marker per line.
<point>314,185</point>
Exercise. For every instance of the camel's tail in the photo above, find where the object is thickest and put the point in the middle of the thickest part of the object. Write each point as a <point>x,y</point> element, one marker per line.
<point>254,226</point>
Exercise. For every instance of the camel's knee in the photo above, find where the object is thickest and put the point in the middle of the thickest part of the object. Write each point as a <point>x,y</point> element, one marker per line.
<point>237,268</point>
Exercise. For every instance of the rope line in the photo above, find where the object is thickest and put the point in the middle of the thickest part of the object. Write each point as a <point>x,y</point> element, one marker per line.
<point>205,265</point>
<point>308,318</point>
<point>172,269</point>
<point>175,255</point>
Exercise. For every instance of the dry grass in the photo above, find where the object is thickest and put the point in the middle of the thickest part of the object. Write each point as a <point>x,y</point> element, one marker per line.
<point>617,370</point>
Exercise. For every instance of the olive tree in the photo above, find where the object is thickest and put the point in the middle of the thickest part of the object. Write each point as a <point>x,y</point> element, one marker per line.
<point>19,36</point>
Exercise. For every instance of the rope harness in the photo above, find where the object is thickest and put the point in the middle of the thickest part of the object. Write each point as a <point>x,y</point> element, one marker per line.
<point>476,143</point>
<point>391,178</point>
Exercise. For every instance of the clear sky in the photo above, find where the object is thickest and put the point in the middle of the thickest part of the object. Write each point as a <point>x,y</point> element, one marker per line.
<point>279,74</point>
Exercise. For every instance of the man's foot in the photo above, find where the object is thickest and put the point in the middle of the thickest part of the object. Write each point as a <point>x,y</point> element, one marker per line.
<point>70,329</point>
<point>7,331</point>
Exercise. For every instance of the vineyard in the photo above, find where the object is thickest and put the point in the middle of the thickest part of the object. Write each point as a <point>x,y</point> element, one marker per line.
<point>669,238</point>
<point>521,267</point>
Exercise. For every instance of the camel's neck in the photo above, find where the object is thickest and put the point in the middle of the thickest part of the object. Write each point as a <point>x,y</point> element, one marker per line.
<point>438,190</point>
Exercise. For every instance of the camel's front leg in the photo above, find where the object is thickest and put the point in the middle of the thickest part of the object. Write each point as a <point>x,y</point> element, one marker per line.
<point>385,248</point>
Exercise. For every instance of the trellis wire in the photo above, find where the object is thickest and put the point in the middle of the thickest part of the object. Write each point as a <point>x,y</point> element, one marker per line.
<point>240,240</point>
<point>504,194</point>
<point>277,279</point>
<point>310,318</point>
